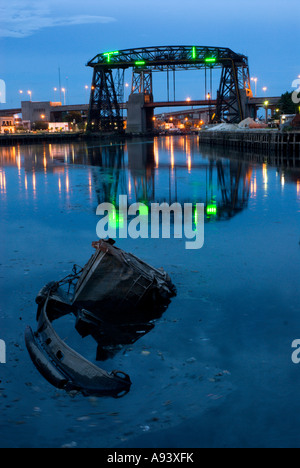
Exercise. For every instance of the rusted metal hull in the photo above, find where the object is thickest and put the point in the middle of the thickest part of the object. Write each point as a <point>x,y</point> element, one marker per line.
<point>116,297</point>
<point>65,368</point>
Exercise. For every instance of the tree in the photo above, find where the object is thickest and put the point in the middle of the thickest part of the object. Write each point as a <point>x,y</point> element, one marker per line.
<point>286,104</point>
<point>73,115</point>
<point>40,125</point>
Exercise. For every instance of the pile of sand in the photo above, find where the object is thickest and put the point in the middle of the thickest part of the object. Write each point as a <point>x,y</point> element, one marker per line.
<point>223,127</point>
<point>246,123</point>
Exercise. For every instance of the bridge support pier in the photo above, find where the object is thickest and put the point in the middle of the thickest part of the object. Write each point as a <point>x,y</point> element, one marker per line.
<point>233,94</point>
<point>104,110</point>
<point>139,118</point>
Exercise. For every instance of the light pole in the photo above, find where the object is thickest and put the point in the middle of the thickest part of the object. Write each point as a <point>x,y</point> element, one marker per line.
<point>86,93</point>
<point>209,106</point>
<point>266,103</point>
<point>30,94</point>
<point>126,92</point>
<point>55,89</point>
<point>64,91</point>
<point>189,100</point>
<point>255,81</point>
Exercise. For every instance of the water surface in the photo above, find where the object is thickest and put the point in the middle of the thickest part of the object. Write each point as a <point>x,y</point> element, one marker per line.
<point>216,369</point>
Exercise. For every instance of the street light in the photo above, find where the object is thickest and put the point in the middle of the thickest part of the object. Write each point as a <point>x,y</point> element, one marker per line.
<point>255,81</point>
<point>64,91</point>
<point>266,104</point>
<point>265,89</point>
<point>209,106</point>
<point>30,94</point>
<point>126,91</point>
<point>86,93</point>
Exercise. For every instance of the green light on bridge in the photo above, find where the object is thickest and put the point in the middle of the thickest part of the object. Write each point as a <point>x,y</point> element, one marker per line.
<point>144,210</point>
<point>194,53</point>
<point>115,220</point>
<point>109,54</point>
<point>210,60</point>
<point>211,209</point>
<point>140,63</point>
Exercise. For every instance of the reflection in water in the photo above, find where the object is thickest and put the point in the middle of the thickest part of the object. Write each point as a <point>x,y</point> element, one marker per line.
<point>265,176</point>
<point>34,183</point>
<point>169,169</point>
<point>2,181</point>
<point>253,186</point>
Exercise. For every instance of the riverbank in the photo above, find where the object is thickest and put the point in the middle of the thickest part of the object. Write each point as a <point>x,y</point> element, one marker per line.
<point>285,145</point>
<point>63,137</point>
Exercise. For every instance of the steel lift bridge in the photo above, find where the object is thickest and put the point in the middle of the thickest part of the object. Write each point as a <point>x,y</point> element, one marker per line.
<point>107,91</point>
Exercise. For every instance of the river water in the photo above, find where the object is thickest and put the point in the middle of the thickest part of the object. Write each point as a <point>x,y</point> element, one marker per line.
<point>216,368</point>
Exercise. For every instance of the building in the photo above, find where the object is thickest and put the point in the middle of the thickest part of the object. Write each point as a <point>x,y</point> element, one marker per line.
<point>36,111</point>
<point>7,125</point>
<point>59,127</point>
<point>50,112</point>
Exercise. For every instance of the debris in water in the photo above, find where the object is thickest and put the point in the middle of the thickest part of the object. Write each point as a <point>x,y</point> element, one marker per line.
<point>115,299</point>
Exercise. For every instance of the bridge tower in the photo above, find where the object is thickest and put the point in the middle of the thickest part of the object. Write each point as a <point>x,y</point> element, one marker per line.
<point>139,118</point>
<point>106,93</point>
<point>234,91</point>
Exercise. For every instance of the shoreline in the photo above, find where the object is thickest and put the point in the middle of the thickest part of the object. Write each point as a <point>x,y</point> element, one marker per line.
<point>63,137</point>
<point>267,142</point>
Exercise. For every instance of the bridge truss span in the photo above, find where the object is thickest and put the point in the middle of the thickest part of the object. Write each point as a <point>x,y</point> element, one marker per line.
<point>105,112</point>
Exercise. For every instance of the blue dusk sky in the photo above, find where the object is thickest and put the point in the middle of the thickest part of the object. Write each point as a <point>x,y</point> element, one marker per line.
<point>39,37</point>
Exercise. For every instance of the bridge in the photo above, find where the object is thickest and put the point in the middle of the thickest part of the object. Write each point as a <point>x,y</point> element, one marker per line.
<point>31,111</point>
<point>107,90</point>
<point>266,102</point>
<point>193,103</point>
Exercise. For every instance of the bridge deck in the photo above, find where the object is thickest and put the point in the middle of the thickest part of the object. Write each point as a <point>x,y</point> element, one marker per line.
<point>205,103</point>
<point>255,101</point>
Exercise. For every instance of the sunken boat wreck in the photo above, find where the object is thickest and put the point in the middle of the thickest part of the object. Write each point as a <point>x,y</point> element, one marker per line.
<point>115,299</point>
